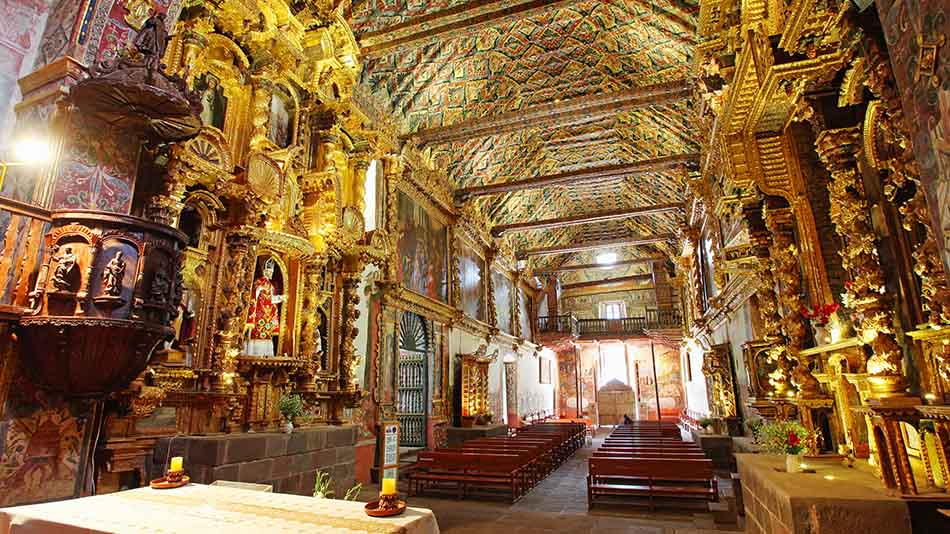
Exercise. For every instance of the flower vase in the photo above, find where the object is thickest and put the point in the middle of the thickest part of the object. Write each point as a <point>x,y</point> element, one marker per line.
<point>793,463</point>
<point>288,427</point>
<point>822,335</point>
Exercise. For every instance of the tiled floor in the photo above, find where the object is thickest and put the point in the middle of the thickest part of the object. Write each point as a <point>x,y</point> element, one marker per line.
<point>559,504</point>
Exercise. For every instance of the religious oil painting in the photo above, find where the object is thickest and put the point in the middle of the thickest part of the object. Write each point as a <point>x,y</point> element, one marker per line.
<point>423,250</point>
<point>280,127</point>
<point>214,104</point>
<point>524,313</point>
<point>472,274</point>
<point>504,290</point>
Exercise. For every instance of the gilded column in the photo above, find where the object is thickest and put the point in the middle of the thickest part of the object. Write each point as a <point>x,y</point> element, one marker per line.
<point>235,292</point>
<point>349,359</point>
<point>866,291</point>
<point>784,255</point>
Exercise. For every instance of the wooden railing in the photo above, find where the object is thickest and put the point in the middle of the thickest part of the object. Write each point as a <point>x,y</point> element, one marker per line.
<point>22,227</point>
<point>625,326</point>
<point>558,324</point>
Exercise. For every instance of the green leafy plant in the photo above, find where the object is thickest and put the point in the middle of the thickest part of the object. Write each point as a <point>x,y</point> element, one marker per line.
<point>706,422</point>
<point>353,493</point>
<point>290,406</point>
<point>322,487</point>
<point>782,437</point>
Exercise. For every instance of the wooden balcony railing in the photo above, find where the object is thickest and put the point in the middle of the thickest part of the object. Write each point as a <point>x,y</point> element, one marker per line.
<point>558,324</point>
<point>626,326</point>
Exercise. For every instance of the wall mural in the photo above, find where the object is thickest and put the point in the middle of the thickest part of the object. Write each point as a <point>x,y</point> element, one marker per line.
<point>96,173</point>
<point>471,274</point>
<point>503,293</point>
<point>567,385</point>
<point>423,247</point>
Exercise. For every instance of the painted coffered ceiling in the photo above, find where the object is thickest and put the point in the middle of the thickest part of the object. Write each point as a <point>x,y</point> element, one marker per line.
<point>499,91</point>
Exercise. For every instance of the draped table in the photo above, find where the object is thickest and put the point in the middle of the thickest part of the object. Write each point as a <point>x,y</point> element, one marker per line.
<point>199,508</point>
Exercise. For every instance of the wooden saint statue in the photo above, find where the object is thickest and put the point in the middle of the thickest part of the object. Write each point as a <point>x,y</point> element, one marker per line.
<point>112,276</point>
<point>151,42</point>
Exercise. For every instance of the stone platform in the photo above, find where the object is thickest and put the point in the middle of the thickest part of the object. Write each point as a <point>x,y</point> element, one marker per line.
<point>456,434</point>
<point>288,462</point>
<point>850,501</point>
<point>718,448</point>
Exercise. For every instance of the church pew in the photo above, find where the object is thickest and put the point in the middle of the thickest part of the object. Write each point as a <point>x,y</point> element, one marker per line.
<point>664,478</point>
<point>464,471</point>
<point>648,453</point>
<point>537,464</point>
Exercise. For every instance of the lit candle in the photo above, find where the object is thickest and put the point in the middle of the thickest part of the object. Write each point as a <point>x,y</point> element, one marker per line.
<point>389,486</point>
<point>177,464</point>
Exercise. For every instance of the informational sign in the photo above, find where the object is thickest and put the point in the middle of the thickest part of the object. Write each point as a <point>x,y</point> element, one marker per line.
<point>390,449</point>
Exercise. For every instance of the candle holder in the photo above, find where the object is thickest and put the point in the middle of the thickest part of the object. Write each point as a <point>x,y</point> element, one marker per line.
<point>172,479</point>
<point>389,502</point>
<point>387,505</point>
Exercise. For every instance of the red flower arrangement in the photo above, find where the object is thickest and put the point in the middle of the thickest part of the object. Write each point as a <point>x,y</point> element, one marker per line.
<point>821,314</point>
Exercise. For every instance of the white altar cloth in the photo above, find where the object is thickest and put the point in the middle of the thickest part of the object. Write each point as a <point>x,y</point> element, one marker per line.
<point>200,508</point>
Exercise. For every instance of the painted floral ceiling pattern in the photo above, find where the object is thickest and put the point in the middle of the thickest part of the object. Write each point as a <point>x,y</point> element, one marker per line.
<point>521,57</point>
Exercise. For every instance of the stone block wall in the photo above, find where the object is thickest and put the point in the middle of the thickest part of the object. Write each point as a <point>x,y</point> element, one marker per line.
<point>288,462</point>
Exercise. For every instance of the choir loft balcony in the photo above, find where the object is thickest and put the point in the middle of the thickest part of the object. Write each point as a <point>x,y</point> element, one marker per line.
<point>554,327</point>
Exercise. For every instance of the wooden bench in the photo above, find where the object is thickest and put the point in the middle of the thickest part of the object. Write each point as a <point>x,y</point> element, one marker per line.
<point>464,471</point>
<point>652,479</point>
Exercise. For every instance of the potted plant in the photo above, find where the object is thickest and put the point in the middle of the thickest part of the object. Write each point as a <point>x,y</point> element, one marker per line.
<point>705,423</point>
<point>468,421</point>
<point>784,437</point>
<point>290,406</point>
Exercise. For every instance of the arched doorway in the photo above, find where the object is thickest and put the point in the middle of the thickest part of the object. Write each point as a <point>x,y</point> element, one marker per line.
<point>412,380</point>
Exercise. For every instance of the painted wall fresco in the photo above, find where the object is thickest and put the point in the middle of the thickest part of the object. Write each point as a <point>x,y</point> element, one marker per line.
<point>106,27</point>
<point>42,442</point>
<point>567,384</point>
<point>423,247</point>
<point>20,36</point>
<point>668,380</point>
<point>588,371</point>
<point>504,290</point>
<point>472,274</point>
<point>96,173</point>
<point>917,34</point>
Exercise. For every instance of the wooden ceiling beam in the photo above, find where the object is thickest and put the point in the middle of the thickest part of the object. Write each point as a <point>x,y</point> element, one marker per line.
<point>607,281</point>
<point>600,216</point>
<point>587,266</point>
<point>564,249</point>
<point>557,112</point>
<point>576,177</point>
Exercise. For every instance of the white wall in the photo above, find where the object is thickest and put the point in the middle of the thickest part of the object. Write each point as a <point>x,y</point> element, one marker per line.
<point>532,395</point>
